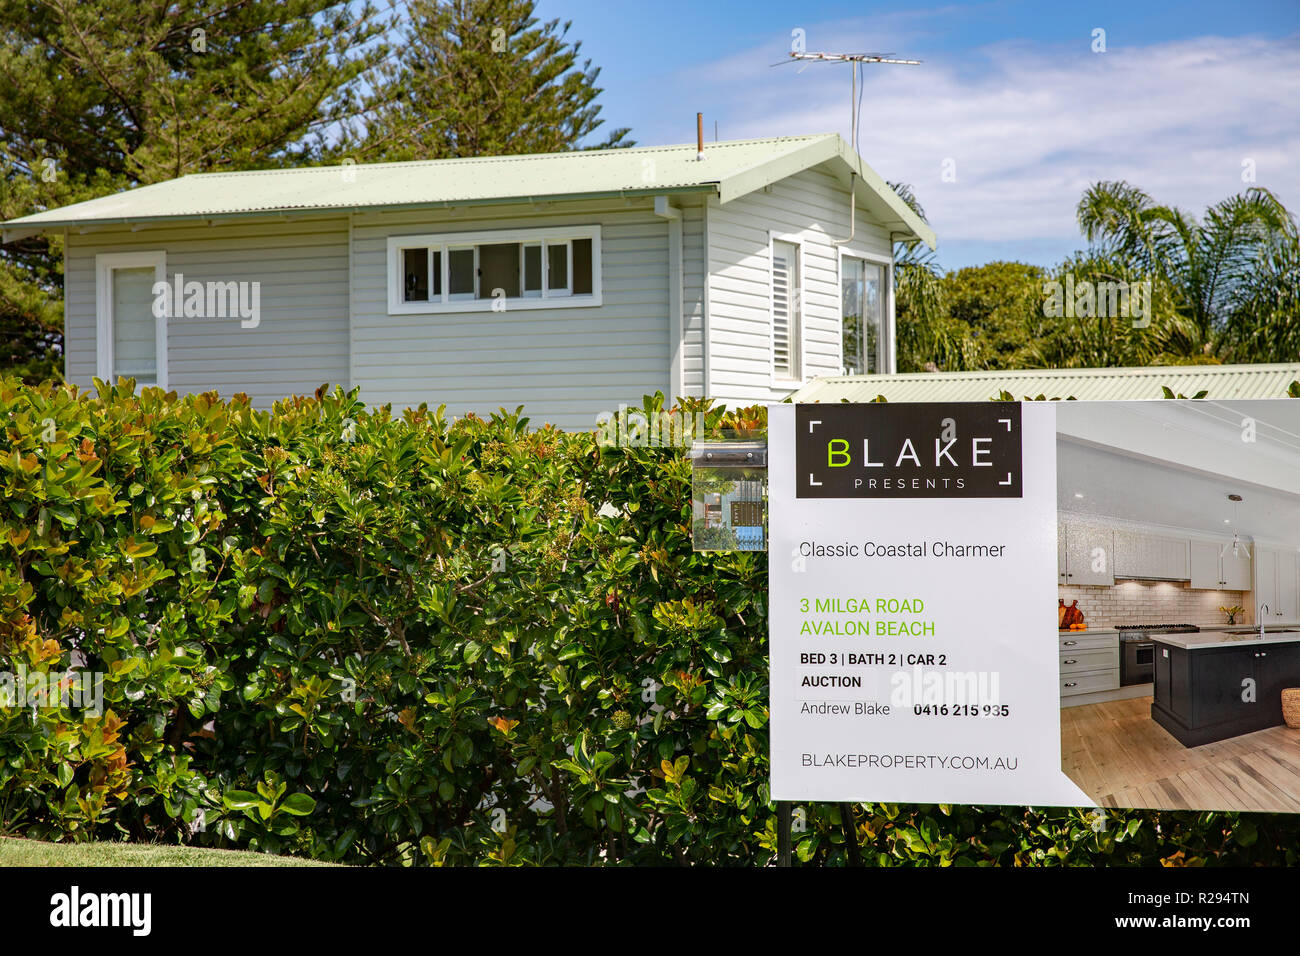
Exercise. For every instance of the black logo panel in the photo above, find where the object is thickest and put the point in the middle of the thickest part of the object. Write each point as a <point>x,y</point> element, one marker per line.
<point>912,450</point>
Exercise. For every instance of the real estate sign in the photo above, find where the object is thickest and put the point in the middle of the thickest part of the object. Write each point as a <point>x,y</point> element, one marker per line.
<point>913,583</point>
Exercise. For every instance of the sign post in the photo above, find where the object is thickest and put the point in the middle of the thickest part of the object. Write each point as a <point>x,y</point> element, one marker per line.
<point>912,576</point>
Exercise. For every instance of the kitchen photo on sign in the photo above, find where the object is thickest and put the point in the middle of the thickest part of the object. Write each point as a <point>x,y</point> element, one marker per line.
<point>1178,602</point>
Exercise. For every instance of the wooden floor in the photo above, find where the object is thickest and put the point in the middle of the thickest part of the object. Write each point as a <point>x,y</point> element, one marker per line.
<point>1120,757</point>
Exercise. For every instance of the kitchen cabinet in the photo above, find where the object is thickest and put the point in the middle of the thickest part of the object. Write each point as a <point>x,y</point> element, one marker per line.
<point>1079,641</point>
<point>1060,551</point>
<point>1088,552</point>
<point>1206,571</point>
<point>1277,668</point>
<point>1095,682</point>
<point>1170,557</point>
<point>1088,663</point>
<point>1265,580</point>
<point>1212,693</point>
<point>1132,553</point>
<point>1277,584</point>
<point>1236,571</point>
<point>1288,585</point>
<point>1220,682</point>
<point>1141,554</point>
<point>1082,662</point>
<point>1221,688</point>
<point>1214,569</point>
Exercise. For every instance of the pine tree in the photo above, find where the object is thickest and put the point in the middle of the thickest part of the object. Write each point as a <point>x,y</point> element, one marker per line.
<point>100,95</point>
<point>482,77</point>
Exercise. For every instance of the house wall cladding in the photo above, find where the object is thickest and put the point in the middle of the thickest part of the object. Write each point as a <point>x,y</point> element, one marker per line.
<point>565,365</point>
<point>301,340</point>
<point>811,207</point>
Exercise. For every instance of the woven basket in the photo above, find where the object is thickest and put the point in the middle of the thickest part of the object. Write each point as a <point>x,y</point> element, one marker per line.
<point>1291,707</point>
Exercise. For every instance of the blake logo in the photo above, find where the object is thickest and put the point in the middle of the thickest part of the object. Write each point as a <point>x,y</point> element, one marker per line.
<point>74,908</point>
<point>914,450</point>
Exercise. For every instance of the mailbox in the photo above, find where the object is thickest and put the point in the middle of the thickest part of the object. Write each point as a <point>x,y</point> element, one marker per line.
<point>729,496</point>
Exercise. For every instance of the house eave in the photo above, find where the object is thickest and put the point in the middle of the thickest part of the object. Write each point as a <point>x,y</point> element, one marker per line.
<point>20,229</point>
<point>769,171</point>
<point>887,208</point>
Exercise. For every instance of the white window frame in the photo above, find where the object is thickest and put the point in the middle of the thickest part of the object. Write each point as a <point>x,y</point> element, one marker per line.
<point>105,264</point>
<point>567,290</point>
<point>546,299</point>
<point>447,295</point>
<point>428,265</point>
<point>775,380</point>
<point>886,313</point>
<point>523,269</point>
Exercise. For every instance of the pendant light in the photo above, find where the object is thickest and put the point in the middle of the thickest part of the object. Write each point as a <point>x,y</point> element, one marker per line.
<point>1237,547</point>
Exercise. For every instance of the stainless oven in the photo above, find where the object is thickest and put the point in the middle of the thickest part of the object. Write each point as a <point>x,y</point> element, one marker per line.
<point>1137,660</point>
<point>1137,652</point>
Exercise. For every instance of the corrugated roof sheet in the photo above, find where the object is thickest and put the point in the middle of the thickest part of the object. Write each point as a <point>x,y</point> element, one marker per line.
<point>729,168</point>
<point>1084,384</point>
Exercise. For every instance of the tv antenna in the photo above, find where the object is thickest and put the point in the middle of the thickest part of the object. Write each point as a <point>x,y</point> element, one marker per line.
<point>855,61</point>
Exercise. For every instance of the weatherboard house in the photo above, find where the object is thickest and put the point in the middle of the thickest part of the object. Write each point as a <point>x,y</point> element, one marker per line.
<point>569,283</point>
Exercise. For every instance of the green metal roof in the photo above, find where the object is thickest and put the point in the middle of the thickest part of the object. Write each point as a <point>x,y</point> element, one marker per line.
<point>1085,384</point>
<point>728,169</point>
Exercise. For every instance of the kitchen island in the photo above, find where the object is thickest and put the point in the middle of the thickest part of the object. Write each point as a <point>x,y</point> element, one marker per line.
<point>1218,684</point>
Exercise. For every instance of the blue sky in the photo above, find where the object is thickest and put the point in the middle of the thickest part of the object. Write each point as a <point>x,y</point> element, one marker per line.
<point>1187,99</point>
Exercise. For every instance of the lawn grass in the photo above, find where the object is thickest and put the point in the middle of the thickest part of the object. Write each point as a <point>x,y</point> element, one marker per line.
<point>17,852</point>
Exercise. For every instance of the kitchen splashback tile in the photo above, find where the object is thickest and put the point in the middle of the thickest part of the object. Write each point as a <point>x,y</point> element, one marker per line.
<point>1154,602</point>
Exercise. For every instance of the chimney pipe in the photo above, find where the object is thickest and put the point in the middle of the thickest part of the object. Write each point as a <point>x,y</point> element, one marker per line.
<point>699,135</point>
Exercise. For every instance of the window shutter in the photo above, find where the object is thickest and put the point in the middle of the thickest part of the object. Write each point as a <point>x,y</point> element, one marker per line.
<point>786,319</point>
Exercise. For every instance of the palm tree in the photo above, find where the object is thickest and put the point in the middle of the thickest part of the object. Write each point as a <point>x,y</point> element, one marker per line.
<point>1264,325</point>
<point>1214,267</point>
<point>928,338</point>
<point>1099,339</point>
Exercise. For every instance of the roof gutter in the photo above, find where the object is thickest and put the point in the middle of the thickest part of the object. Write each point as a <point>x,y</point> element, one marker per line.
<point>19,229</point>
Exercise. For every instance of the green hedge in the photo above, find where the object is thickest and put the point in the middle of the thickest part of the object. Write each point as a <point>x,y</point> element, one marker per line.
<point>402,640</point>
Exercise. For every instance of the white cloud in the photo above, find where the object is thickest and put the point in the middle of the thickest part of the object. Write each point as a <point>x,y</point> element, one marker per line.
<point>1030,126</point>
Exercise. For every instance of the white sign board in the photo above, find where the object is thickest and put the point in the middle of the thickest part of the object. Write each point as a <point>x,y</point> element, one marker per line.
<point>913,573</point>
